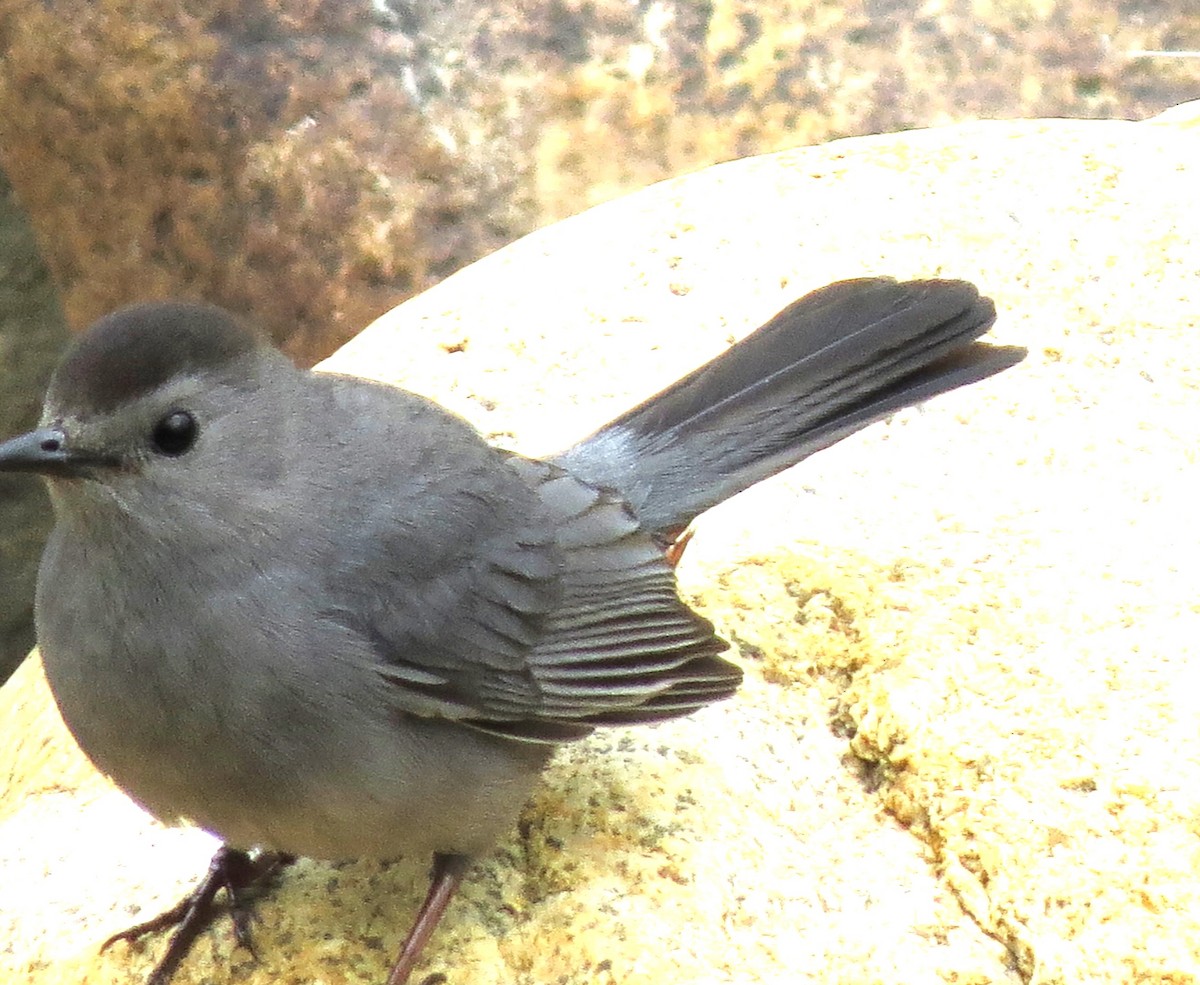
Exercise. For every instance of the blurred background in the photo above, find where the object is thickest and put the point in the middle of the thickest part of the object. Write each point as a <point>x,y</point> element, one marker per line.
<point>313,162</point>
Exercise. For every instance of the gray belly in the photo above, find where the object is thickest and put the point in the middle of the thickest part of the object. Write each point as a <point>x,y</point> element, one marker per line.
<point>297,751</point>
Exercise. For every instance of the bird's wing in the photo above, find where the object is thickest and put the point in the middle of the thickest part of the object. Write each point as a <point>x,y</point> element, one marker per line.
<point>541,631</point>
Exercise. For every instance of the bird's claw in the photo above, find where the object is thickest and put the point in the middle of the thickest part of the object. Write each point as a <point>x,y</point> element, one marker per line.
<point>241,875</point>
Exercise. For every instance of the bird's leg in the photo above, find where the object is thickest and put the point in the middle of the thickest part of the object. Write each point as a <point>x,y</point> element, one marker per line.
<point>448,872</point>
<point>231,869</point>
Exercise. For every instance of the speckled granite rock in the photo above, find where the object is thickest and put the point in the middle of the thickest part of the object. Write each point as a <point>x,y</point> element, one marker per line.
<point>315,163</point>
<point>32,336</point>
<point>296,161</point>
<point>965,750</point>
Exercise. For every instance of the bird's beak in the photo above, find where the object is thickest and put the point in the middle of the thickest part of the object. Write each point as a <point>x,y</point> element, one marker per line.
<point>44,451</point>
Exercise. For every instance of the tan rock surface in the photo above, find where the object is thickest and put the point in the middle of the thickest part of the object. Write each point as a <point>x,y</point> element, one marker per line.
<point>965,750</point>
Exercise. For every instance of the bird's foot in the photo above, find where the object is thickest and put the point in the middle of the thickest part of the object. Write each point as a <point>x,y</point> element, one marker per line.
<point>243,876</point>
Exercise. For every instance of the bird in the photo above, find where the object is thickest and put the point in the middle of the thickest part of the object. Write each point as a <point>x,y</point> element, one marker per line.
<point>321,616</point>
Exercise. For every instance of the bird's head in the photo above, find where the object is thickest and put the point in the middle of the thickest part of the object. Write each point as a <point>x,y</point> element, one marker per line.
<point>139,394</point>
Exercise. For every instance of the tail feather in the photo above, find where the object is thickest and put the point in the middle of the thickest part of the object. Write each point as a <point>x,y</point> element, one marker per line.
<point>829,364</point>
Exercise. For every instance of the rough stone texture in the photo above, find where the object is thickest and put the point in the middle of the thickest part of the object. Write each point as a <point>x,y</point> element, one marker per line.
<point>312,163</point>
<point>32,336</point>
<point>965,749</point>
<point>263,154</point>
<point>681,85</point>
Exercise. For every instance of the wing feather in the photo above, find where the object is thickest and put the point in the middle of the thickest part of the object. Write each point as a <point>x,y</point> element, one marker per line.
<point>561,623</point>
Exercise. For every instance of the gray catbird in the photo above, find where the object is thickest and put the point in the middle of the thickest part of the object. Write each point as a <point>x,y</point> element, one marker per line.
<point>320,616</point>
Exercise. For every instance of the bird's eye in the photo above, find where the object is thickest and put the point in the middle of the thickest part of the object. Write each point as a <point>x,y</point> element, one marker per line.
<point>175,433</point>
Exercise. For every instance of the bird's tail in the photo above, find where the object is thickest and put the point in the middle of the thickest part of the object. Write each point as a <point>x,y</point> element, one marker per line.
<point>827,365</point>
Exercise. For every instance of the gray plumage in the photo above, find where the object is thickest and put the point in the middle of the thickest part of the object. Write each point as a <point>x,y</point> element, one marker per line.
<point>826,366</point>
<point>323,616</point>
